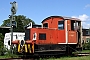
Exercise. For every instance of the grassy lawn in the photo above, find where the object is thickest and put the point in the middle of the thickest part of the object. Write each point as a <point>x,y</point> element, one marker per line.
<point>86,51</point>
<point>2,57</point>
<point>62,58</point>
<point>70,58</point>
<point>73,58</point>
<point>8,56</point>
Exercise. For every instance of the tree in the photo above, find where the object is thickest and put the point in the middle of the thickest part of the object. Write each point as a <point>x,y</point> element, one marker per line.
<point>1,44</point>
<point>87,45</point>
<point>1,40</point>
<point>21,20</point>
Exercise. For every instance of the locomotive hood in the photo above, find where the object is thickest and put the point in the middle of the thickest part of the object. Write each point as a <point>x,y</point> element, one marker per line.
<point>18,41</point>
<point>15,42</point>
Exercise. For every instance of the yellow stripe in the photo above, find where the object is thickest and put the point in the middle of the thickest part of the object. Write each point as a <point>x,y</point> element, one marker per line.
<point>18,47</point>
<point>25,47</point>
<point>32,48</point>
<point>29,48</point>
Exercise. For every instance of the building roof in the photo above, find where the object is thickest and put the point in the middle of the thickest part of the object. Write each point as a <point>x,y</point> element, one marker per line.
<point>4,27</point>
<point>4,30</point>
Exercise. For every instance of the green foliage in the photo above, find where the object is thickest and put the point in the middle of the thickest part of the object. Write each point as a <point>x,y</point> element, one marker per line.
<point>85,51</point>
<point>5,22</point>
<point>9,54</point>
<point>86,45</point>
<point>2,50</point>
<point>67,58</point>
<point>21,22</point>
<point>1,37</point>
<point>5,52</point>
<point>1,40</point>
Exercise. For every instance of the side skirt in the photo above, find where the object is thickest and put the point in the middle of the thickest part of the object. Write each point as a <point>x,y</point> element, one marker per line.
<point>50,48</point>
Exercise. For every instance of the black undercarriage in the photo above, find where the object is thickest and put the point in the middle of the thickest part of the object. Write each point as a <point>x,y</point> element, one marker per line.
<point>54,49</point>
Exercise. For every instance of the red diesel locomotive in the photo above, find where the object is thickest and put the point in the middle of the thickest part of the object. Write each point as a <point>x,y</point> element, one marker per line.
<point>57,34</point>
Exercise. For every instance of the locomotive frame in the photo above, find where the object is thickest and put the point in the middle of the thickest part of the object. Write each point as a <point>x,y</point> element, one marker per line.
<point>56,35</point>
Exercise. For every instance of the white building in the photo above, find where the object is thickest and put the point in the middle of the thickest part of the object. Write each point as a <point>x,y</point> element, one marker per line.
<point>16,36</point>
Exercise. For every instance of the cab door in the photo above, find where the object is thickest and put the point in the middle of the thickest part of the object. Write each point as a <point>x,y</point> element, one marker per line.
<point>72,33</point>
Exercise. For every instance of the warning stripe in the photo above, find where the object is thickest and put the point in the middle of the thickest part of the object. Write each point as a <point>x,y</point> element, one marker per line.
<point>32,48</point>
<point>18,47</point>
<point>25,48</point>
<point>29,48</point>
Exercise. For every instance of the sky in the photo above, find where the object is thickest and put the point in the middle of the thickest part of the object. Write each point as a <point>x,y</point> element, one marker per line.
<point>37,10</point>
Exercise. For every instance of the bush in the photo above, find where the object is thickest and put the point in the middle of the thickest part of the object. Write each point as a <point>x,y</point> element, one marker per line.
<point>86,46</point>
<point>2,51</point>
<point>8,53</point>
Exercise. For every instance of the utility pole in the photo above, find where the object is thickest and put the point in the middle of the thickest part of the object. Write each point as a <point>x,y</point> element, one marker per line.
<point>13,12</point>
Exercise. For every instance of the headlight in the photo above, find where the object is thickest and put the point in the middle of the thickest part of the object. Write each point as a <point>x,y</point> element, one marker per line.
<point>34,36</point>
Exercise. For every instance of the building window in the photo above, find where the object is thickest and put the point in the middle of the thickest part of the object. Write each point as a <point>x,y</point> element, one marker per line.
<point>87,32</point>
<point>60,25</point>
<point>42,36</point>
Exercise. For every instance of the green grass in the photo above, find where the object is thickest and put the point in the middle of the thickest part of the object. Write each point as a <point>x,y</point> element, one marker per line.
<point>83,51</point>
<point>86,51</point>
<point>2,57</point>
<point>70,58</point>
<point>62,58</point>
<point>9,56</point>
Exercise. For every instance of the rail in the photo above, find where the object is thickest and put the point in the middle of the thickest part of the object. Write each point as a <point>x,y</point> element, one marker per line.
<point>82,54</point>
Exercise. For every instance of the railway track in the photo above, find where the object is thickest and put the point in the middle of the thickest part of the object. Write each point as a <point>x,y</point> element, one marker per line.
<point>81,54</point>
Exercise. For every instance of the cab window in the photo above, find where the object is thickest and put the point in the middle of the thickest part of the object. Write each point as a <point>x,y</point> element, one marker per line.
<point>74,25</point>
<point>45,25</point>
<point>42,36</point>
<point>60,25</point>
